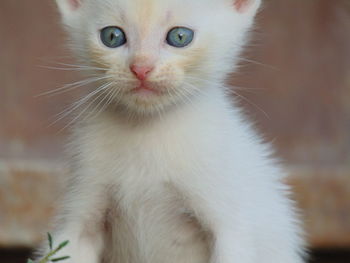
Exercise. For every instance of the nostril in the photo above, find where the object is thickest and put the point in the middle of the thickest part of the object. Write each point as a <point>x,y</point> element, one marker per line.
<point>141,72</point>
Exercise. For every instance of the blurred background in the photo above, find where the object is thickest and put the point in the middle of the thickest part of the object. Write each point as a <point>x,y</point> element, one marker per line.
<point>294,82</point>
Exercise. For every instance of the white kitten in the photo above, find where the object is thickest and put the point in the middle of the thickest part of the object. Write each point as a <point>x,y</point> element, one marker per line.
<point>166,170</point>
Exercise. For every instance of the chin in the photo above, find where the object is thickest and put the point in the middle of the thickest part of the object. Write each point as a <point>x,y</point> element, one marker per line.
<point>147,104</point>
<point>150,100</point>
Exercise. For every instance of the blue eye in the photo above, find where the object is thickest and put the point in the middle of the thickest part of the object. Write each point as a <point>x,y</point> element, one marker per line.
<point>180,37</point>
<point>113,37</point>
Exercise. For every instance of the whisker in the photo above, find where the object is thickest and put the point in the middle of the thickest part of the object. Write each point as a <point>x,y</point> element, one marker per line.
<point>251,103</point>
<point>244,89</point>
<point>85,109</point>
<point>115,96</point>
<point>186,94</point>
<point>77,104</point>
<point>203,80</point>
<point>72,68</point>
<point>234,87</point>
<point>258,63</point>
<point>72,86</point>
<point>95,109</point>
<point>193,87</point>
<point>240,96</point>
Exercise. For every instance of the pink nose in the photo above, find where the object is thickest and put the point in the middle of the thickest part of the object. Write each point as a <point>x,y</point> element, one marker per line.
<point>141,72</point>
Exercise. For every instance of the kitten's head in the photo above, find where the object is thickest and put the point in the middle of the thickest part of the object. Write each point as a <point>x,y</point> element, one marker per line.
<point>157,53</point>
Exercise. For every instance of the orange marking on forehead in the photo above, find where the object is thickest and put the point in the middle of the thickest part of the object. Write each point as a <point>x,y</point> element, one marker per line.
<point>145,17</point>
<point>122,16</point>
<point>168,16</point>
<point>148,21</point>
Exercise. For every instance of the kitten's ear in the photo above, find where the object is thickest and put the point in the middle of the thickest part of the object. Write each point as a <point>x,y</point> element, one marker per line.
<point>243,6</point>
<point>68,7</point>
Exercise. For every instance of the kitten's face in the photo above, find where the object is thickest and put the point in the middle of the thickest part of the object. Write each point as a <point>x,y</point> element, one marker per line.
<point>157,53</point>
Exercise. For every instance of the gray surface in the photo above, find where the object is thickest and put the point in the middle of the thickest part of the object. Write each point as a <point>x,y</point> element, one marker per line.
<point>20,256</point>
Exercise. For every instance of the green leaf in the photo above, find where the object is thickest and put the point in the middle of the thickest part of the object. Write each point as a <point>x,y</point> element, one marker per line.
<point>62,245</point>
<point>49,237</point>
<point>30,261</point>
<point>60,259</point>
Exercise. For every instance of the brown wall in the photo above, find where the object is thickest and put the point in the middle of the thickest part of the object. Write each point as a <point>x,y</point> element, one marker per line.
<point>305,84</point>
<point>297,85</point>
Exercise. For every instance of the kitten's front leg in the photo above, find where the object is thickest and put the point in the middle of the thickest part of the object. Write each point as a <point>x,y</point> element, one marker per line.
<point>232,244</point>
<point>232,235</point>
<point>81,223</point>
<point>229,248</point>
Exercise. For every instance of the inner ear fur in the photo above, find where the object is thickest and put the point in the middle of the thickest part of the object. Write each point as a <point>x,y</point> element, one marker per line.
<point>73,4</point>
<point>67,7</point>
<point>243,5</point>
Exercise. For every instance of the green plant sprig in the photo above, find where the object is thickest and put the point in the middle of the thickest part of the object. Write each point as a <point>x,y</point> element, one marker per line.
<point>48,258</point>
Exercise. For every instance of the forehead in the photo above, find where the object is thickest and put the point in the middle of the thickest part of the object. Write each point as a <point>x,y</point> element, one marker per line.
<point>148,11</point>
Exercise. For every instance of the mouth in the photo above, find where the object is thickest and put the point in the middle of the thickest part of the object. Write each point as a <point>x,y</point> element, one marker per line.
<point>144,89</point>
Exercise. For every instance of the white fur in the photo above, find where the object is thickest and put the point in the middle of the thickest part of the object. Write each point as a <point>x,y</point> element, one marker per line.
<point>191,185</point>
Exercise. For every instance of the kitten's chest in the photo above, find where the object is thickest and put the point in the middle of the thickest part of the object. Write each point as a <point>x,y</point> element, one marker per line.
<point>136,163</point>
<point>146,180</point>
<point>155,225</point>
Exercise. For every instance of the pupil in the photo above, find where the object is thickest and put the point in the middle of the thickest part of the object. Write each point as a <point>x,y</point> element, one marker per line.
<point>181,36</point>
